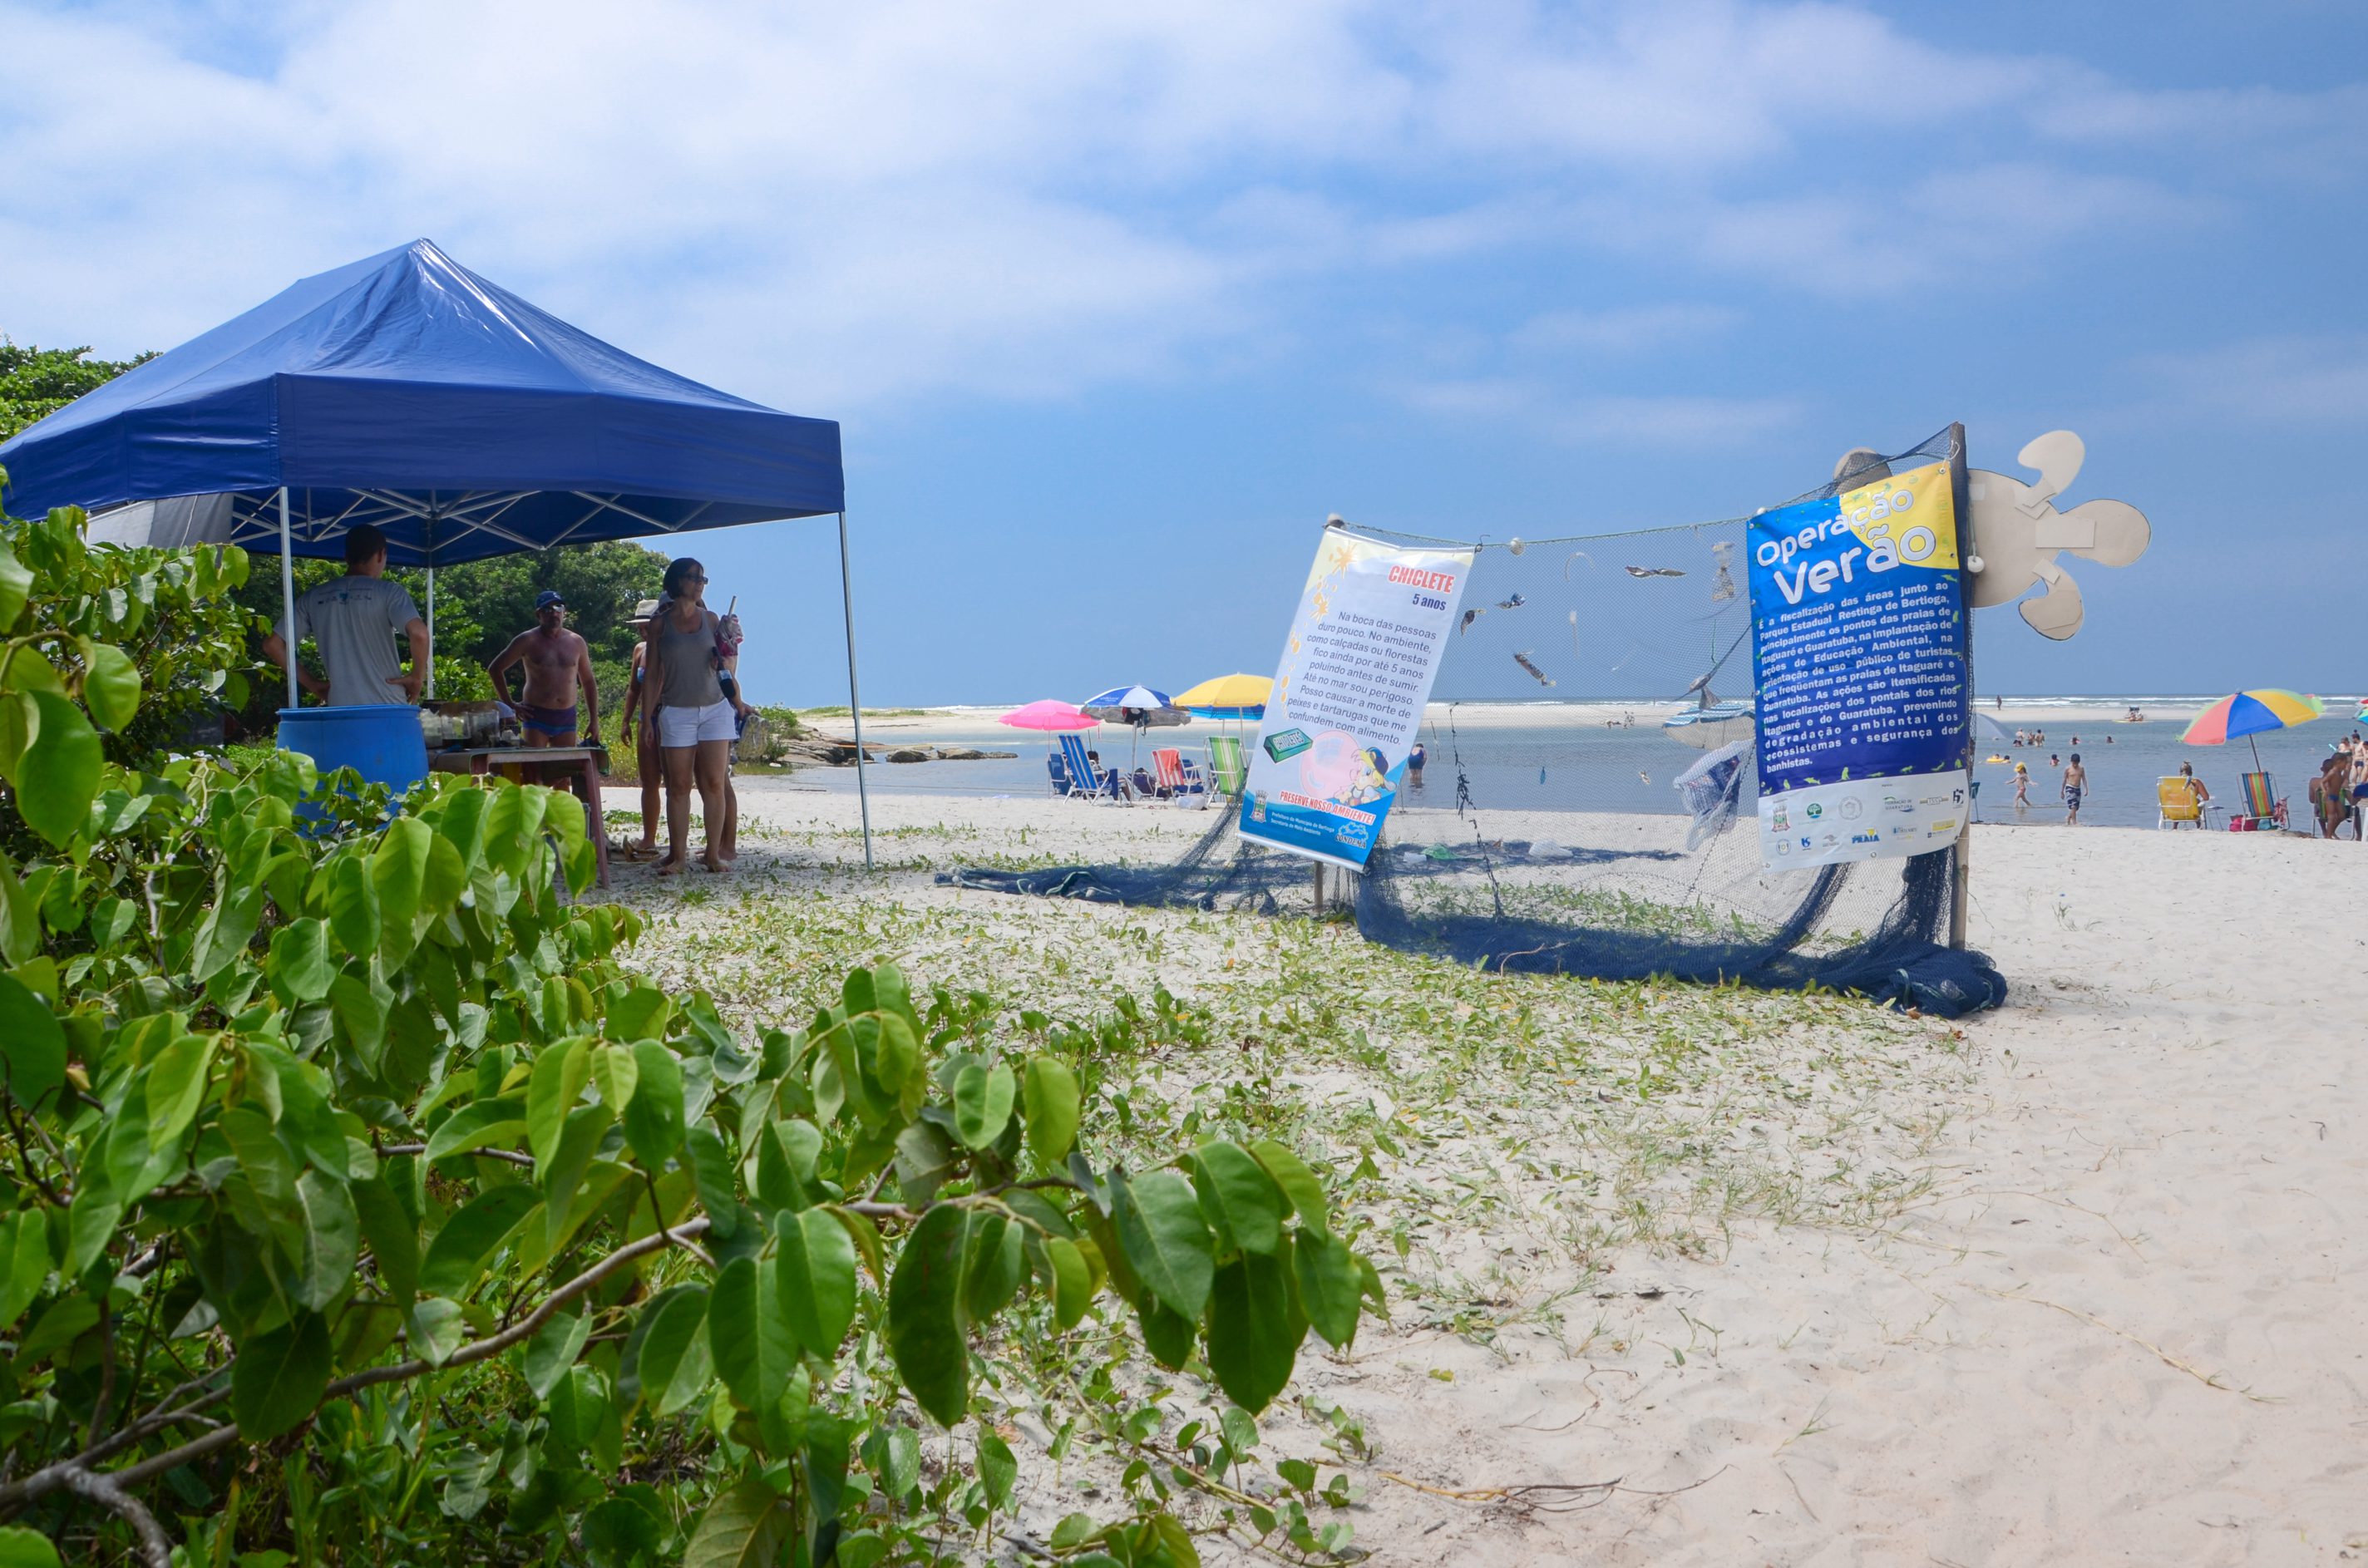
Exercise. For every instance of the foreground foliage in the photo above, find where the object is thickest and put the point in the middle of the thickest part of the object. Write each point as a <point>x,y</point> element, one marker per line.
<point>362,1200</point>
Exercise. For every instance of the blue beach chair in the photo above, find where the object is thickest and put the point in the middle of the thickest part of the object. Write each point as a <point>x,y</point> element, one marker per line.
<point>1087,782</point>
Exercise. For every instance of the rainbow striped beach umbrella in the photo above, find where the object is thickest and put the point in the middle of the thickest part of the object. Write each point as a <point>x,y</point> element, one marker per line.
<point>2249,714</point>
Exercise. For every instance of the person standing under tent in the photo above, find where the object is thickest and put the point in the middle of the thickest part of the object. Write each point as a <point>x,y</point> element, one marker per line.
<point>648,762</point>
<point>354,620</point>
<point>558,663</point>
<point>682,699</point>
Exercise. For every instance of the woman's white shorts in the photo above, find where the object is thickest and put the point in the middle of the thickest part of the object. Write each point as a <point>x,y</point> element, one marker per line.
<point>688,726</point>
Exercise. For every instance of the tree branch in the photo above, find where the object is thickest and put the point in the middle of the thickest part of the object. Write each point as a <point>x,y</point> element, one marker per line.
<point>155,1550</point>
<point>512,1156</point>
<point>45,1480</point>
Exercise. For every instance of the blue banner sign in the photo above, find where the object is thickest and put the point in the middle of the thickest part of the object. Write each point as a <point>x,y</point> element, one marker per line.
<point>1858,648</point>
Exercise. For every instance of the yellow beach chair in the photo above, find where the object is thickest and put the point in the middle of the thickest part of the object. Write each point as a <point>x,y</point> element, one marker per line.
<point>2176,802</point>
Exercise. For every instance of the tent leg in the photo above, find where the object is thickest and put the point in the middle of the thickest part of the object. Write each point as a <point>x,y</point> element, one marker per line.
<point>288,594</point>
<point>854,702</point>
<point>430,684</point>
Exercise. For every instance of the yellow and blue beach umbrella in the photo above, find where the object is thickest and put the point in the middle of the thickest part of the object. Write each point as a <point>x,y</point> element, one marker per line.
<point>2252,713</point>
<point>1228,697</point>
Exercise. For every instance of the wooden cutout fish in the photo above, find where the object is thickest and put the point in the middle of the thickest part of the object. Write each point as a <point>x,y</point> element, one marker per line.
<point>1516,602</point>
<point>1469,616</point>
<point>1543,678</point>
<point>1655,571</point>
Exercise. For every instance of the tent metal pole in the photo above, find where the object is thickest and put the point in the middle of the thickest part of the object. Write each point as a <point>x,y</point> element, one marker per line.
<point>1961,504</point>
<point>430,686</point>
<point>288,594</point>
<point>854,700</point>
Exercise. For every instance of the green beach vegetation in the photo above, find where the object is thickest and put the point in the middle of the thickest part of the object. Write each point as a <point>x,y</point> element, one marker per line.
<point>365,1195</point>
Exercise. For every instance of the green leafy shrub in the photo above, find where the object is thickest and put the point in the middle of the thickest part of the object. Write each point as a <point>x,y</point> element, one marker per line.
<point>359,1187</point>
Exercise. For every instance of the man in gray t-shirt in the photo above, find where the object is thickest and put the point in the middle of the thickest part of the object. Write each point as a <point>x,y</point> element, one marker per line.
<point>354,619</point>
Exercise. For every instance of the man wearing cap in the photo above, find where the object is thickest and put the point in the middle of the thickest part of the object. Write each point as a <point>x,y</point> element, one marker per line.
<point>353,620</point>
<point>557,661</point>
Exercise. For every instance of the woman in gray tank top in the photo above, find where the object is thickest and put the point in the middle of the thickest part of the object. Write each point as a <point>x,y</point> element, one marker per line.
<point>684,706</point>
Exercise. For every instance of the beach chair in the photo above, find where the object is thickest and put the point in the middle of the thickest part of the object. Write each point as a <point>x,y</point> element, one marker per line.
<point>1060,772</point>
<point>2262,806</point>
<point>1168,763</point>
<point>1144,785</point>
<point>1086,782</point>
<point>1225,763</point>
<point>2176,804</point>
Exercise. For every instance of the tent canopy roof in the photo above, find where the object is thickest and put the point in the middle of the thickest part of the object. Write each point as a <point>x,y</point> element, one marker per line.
<point>406,391</point>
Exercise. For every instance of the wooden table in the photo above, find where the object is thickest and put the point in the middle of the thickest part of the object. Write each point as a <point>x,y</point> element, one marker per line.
<point>576,766</point>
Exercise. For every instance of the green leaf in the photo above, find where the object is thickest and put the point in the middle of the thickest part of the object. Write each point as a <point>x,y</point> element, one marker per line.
<point>983,1103</point>
<point>393,1239</point>
<point>20,923</point>
<point>995,1267</point>
<point>59,1324</point>
<point>110,684</point>
<point>616,1074</point>
<point>653,1116</point>
<point>361,1006</point>
<point>16,587</point>
<point>459,1250</point>
<point>814,1279</point>
<point>436,1326</point>
<point>1168,1336</point>
<point>1073,1282</point>
<point>640,1013</point>
<point>488,1124</point>
<point>332,1239</point>
<point>1328,1285</point>
<point>996,1467</point>
<point>225,933</point>
<point>353,908</point>
<point>176,1088</point>
<point>560,1074</point>
<point>278,1378</point>
<point>1298,1183</point>
<point>925,1331</point>
<point>899,1052</point>
<point>554,1349</point>
<point>925,1160</point>
<point>674,1364</point>
<point>1253,1333</point>
<point>1157,1219</point>
<point>754,1347</point>
<point>24,1255</point>
<point>57,777</point>
<point>398,872</point>
<point>1050,1096</point>
<point>563,1176</point>
<point>32,1045</point>
<point>746,1528</point>
<point>301,967</point>
<point>21,1548</point>
<point>711,1169</point>
<point>1243,1204</point>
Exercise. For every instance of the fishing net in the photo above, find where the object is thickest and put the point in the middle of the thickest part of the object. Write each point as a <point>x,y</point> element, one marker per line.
<point>1589,803</point>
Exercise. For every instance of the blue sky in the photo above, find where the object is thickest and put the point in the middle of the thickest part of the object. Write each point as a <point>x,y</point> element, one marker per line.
<point>1115,302</point>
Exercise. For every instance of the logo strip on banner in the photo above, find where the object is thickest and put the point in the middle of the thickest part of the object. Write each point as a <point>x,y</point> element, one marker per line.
<point>1349,697</point>
<point>1858,648</point>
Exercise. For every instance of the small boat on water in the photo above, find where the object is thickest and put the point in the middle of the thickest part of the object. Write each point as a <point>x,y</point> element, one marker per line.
<point>1709,723</point>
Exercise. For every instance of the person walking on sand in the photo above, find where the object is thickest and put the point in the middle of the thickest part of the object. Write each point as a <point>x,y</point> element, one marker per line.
<point>681,697</point>
<point>353,619</point>
<point>2076,783</point>
<point>558,665</point>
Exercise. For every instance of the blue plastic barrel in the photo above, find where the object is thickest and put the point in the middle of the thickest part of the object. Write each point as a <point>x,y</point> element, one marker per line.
<point>383,743</point>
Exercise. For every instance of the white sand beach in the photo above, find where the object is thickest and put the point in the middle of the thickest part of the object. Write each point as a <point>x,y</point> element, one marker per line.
<point>2113,1314</point>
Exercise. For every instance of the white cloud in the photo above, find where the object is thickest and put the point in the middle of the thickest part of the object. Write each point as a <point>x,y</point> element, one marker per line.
<point>853,206</point>
<point>1596,419</point>
<point>2295,383</point>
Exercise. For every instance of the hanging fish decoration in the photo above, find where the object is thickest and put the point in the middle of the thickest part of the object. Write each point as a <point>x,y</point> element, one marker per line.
<point>1574,634</point>
<point>1543,678</point>
<point>1469,616</point>
<point>1723,589</point>
<point>1516,602</point>
<point>1575,555</point>
<point>1655,571</point>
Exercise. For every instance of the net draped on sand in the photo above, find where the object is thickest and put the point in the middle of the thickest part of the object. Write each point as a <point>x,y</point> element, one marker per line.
<point>1593,840</point>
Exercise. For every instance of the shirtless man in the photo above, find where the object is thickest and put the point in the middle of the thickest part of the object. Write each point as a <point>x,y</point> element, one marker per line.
<point>2076,783</point>
<point>557,661</point>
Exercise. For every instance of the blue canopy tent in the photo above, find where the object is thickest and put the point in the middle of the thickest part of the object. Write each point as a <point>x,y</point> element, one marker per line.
<point>403,391</point>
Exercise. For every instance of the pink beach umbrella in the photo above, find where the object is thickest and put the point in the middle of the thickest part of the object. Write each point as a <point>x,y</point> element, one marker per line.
<point>1046,713</point>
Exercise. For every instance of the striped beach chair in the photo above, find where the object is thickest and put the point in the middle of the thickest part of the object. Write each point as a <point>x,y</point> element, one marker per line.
<point>1225,769</point>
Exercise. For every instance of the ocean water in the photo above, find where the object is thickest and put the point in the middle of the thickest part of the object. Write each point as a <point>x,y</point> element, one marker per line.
<point>1595,764</point>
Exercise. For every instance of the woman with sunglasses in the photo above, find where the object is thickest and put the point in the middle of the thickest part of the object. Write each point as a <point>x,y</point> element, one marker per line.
<point>683,705</point>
